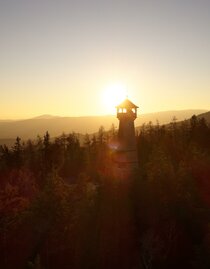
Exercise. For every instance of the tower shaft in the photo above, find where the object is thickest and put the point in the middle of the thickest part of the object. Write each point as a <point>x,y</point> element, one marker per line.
<point>126,155</point>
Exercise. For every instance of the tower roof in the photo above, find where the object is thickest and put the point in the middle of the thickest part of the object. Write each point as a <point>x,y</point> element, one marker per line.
<point>126,104</point>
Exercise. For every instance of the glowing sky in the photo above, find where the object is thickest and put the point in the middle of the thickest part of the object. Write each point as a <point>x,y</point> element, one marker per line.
<point>56,57</point>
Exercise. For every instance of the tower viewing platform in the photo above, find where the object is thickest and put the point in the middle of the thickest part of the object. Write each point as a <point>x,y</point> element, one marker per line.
<point>126,109</point>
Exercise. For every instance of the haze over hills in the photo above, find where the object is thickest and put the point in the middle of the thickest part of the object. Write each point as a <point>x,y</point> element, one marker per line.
<point>46,117</point>
<point>56,125</point>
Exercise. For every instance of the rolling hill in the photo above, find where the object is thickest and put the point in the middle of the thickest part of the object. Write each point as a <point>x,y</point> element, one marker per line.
<point>205,115</point>
<point>30,128</point>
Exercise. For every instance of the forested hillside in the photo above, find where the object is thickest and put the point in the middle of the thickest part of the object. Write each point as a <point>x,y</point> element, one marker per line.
<point>60,206</point>
<point>30,128</point>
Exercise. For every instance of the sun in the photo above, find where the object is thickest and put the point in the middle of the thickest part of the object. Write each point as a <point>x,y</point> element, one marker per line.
<point>112,95</point>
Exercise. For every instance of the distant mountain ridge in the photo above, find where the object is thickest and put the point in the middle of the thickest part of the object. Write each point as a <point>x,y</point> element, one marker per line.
<point>56,125</point>
<point>46,117</point>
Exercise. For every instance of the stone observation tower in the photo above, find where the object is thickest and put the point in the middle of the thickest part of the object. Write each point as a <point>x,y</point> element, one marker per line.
<point>126,155</point>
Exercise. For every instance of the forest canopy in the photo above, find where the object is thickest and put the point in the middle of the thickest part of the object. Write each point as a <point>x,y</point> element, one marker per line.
<point>61,207</point>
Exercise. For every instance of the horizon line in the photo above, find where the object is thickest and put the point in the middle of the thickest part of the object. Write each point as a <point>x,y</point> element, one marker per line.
<point>51,116</point>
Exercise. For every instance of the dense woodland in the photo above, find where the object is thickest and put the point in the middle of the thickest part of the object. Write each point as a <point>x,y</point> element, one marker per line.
<point>61,207</point>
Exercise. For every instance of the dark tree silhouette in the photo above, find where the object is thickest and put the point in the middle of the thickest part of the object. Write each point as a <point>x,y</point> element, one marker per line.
<point>61,207</point>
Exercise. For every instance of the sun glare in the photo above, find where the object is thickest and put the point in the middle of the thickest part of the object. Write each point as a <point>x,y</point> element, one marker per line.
<point>113,95</point>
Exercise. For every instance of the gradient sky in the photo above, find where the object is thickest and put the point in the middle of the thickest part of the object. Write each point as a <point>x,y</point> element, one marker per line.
<point>56,57</point>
